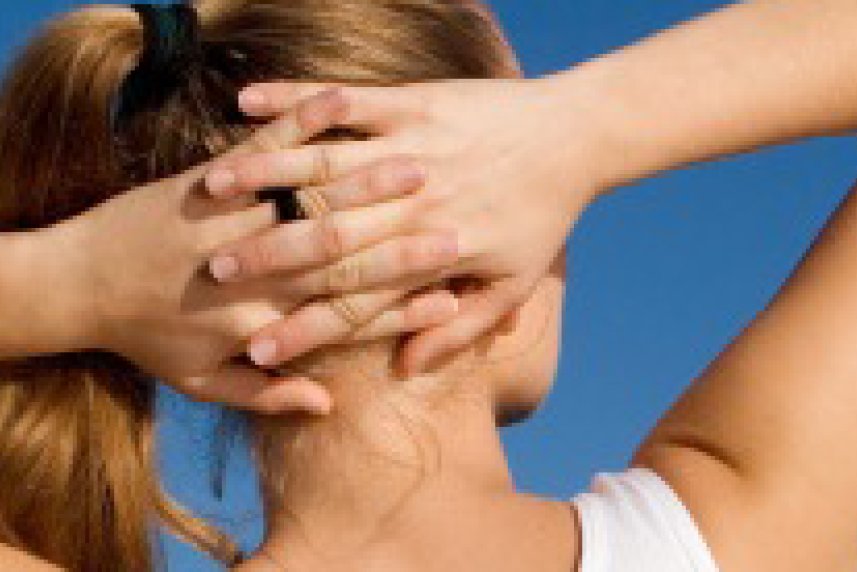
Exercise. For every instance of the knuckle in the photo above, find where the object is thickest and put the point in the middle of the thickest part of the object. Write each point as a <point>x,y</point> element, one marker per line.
<point>416,254</point>
<point>380,181</point>
<point>394,175</point>
<point>315,114</point>
<point>258,256</point>
<point>331,239</point>
<point>264,141</point>
<point>423,103</point>
<point>411,317</point>
<point>322,110</point>
<point>421,310</point>
<point>343,277</point>
<point>335,280</point>
<point>322,165</point>
<point>406,256</point>
<point>339,100</point>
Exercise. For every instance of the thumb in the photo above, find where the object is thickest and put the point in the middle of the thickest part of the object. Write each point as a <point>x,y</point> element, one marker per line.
<point>253,389</point>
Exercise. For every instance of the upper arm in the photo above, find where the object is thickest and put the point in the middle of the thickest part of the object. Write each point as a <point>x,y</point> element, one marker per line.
<point>763,448</point>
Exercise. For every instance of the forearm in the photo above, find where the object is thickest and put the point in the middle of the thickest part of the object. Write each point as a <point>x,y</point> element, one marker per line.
<point>762,446</point>
<point>751,74</point>
<point>11,559</point>
<point>41,302</point>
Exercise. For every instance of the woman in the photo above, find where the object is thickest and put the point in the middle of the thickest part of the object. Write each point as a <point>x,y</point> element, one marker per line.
<point>750,471</point>
<point>408,473</point>
<point>385,446</point>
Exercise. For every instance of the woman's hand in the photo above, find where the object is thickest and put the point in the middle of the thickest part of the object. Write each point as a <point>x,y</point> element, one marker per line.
<point>141,260</point>
<point>510,165</point>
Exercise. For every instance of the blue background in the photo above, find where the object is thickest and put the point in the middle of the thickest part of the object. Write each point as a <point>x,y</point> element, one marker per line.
<point>662,276</point>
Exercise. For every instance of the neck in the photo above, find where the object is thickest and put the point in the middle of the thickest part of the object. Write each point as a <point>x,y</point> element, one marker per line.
<point>387,491</point>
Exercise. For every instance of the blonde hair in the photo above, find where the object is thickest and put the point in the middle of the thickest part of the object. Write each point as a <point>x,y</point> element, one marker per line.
<point>78,485</point>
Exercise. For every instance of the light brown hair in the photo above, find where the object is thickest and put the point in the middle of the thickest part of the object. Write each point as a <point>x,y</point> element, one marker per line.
<point>78,483</point>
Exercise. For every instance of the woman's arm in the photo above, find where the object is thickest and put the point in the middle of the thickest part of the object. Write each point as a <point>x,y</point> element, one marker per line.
<point>11,559</point>
<point>762,448</point>
<point>43,305</point>
<point>511,163</point>
<point>751,74</point>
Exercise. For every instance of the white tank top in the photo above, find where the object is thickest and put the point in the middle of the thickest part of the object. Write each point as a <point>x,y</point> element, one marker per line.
<point>634,522</point>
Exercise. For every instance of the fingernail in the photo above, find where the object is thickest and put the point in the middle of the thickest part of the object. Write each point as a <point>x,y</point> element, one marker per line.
<point>252,100</point>
<point>197,382</point>
<point>224,268</point>
<point>220,182</point>
<point>319,403</point>
<point>263,352</point>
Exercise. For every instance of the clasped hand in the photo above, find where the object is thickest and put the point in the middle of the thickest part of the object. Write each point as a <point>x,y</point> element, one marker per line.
<point>461,178</point>
<point>501,184</point>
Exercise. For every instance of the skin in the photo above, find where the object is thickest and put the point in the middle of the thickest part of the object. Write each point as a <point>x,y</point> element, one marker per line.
<point>163,311</point>
<point>15,560</point>
<point>635,113</point>
<point>757,448</point>
<point>749,75</point>
<point>357,502</point>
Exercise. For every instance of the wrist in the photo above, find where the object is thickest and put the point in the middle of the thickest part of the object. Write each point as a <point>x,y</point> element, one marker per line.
<point>50,262</point>
<point>624,138</point>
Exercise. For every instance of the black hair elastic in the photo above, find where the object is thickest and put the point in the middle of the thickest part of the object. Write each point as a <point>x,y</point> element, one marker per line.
<point>171,46</point>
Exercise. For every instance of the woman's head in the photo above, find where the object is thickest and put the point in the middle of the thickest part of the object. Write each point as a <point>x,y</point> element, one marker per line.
<point>82,422</point>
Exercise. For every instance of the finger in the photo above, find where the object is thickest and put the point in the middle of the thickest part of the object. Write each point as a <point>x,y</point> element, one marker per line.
<point>481,310</point>
<point>273,98</point>
<point>220,231</point>
<point>425,311</point>
<point>319,164</point>
<point>301,124</point>
<point>319,324</point>
<point>375,109</point>
<point>381,265</point>
<point>306,243</point>
<point>250,388</point>
<point>382,181</point>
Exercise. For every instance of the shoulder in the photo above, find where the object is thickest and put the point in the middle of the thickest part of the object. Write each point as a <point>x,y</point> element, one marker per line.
<point>635,521</point>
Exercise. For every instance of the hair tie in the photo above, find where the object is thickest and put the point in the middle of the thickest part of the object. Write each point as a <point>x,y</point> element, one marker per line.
<point>171,35</point>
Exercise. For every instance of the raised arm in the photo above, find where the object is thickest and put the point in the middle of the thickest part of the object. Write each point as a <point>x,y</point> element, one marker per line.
<point>763,447</point>
<point>512,163</point>
<point>751,74</point>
